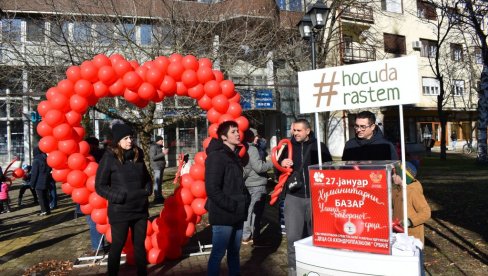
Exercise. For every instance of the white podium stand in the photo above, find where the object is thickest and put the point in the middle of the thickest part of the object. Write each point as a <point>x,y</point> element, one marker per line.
<point>321,261</point>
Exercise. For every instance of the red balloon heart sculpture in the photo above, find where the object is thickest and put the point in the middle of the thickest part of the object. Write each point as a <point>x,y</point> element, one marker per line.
<point>152,81</point>
<point>285,172</point>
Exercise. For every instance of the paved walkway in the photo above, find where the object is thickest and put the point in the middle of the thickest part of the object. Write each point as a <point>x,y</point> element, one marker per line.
<point>27,240</point>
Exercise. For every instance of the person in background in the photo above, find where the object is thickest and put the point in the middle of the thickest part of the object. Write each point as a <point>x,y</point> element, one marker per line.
<point>26,185</point>
<point>228,199</point>
<point>369,143</point>
<point>157,153</point>
<point>4,198</point>
<point>41,180</point>
<point>298,213</point>
<point>53,194</point>
<point>256,168</point>
<point>123,179</point>
<point>454,140</point>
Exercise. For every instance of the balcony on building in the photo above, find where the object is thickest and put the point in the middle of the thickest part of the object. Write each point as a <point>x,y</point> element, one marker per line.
<point>358,12</point>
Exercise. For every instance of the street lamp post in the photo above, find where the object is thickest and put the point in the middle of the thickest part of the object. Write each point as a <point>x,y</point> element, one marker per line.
<point>309,26</point>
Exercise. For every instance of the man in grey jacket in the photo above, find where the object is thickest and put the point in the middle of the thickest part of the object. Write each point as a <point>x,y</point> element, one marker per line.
<point>157,154</point>
<point>256,178</point>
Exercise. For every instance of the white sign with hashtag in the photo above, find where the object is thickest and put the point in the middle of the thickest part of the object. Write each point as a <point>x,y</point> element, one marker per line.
<point>370,84</point>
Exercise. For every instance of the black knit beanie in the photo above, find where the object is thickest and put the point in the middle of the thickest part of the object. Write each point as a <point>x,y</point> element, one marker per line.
<point>119,131</point>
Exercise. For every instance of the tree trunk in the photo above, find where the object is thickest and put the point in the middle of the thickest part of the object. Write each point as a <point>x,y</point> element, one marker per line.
<point>483,117</point>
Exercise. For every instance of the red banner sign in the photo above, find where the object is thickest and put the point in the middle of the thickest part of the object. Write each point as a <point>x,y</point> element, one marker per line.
<point>350,209</point>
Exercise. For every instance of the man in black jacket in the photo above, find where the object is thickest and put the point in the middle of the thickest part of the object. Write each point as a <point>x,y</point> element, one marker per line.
<point>369,143</point>
<point>298,215</point>
<point>157,153</point>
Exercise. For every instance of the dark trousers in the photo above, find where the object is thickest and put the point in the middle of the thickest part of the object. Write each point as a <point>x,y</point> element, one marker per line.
<point>43,196</point>
<point>119,236</point>
<point>22,191</point>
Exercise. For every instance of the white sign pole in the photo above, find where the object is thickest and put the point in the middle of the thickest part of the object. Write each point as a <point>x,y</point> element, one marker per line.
<point>404,171</point>
<point>317,129</point>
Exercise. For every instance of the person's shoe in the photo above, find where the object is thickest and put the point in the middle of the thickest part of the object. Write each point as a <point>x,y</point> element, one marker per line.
<point>247,241</point>
<point>42,214</point>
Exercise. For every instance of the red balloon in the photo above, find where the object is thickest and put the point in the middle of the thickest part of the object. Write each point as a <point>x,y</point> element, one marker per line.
<point>86,209</point>
<point>196,92</point>
<point>186,196</point>
<point>77,161</point>
<point>220,103</point>
<point>62,131</point>
<point>76,178</point>
<point>175,70</point>
<point>99,216</point>
<point>218,75</point>
<point>243,150</point>
<point>205,74</point>
<point>213,115</point>
<point>89,71</point>
<point>162,64</point>
<point>198,189</point>
<point>225,118</point>
<point>236,98</point>
<point>60,175</point>
<point>206,142</point>
<point>91,168</point>
<point>52,93</point>
<point>54,117</point>
<point>73,73</point>
<point>80,195</point>
<point>148,244</point>
<point>198,206</point>
<point>212,88</point>
<point>186,181</point>
<point>97,201</point>
<point>108,233</point>
<point>115,57</point>
<point>175,57</point>
<point>44,129</point>
<point>80,131</point>
<point>48,144</point>
<point>90,183</point>
<point>234,110</point>
<point>100,90</point>
<point>227,87</point>
<point>60,102</point>
<point>197,172</point>
<point>134,64</point>
<point>181,89</point>
<point>84,148</point>
<point>190,62</point>
<point>131,97</point>
<point>66,87</point>
<point>146,91</point>
<point>132,80</point>
<point>102,228</point>
<point>18,173</point>
<point>78,103</point>
<point>205,62</point>
<point>117,88</point>
<point>43,107</point>
<point>101,60</point>
<point>200,158</point>
<point>121,67</point>
<point>83,88</point>
<point>212,130</point>
<point>154,77</point>
<point>242,122</point>
<point>68,146</point>
<point>205,102</point>
<point>155,256</point>
<point>168,86</point>
<point>189,78</point>
<point>142,71</point>
<point>107,75</point>
<point>57,159</point>
<point>66,188</point>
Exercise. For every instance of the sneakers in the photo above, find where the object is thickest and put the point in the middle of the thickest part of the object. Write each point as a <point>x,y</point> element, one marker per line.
<point>247,241</point>
<point>44,214</point>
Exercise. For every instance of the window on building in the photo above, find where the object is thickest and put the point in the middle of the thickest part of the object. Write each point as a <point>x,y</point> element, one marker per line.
<point>104,32</point>
<point>453,15</point>
<point>59,31</point>
<point>35,30</point>
<point>456,52</point>
<point>11,31</point>
<point>82,31</point>
<point>126,33</point>
<point>457,87</point>
<point>429,48</point>
<point>430,86</point>
<point>426,10</point>
<point>146,34</point>
<point>290,5</point>
<point>395,44</point>
<point>392,5</point>
<point>478,55</point>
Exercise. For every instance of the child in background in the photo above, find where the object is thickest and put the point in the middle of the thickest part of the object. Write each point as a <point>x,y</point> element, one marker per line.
<point>4,199</point>
<point>418,210</point>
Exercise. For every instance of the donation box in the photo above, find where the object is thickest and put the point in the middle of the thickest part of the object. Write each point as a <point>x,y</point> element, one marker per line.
<point>351,206</point>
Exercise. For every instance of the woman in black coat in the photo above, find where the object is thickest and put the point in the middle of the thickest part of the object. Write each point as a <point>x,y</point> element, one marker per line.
<point>40,180</point>
<point>123,179</point>
<point>228,198</point>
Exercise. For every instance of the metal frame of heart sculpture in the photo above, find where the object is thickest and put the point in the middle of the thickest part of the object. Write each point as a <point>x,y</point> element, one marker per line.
<point>73,166</point>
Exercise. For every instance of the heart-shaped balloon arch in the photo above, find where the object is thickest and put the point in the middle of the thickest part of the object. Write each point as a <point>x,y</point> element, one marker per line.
<point>73,166</point>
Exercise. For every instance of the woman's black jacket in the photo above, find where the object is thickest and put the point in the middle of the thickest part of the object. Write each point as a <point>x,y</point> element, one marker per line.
<point>228,197</point>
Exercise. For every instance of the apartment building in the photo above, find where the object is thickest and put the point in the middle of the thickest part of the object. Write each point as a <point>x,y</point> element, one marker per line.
<point>41,39</point>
